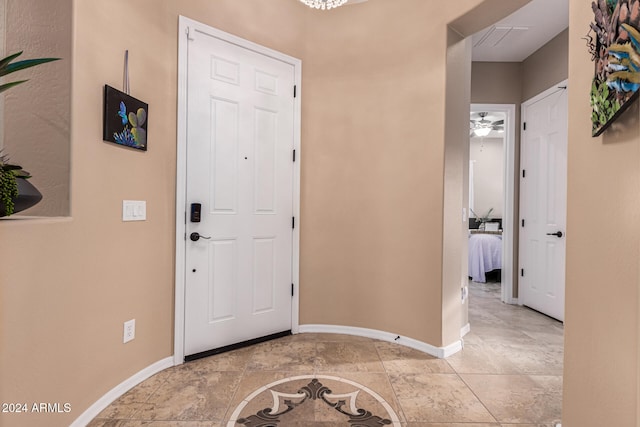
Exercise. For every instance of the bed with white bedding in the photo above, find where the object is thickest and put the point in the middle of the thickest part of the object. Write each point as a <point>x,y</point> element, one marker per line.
<point>485,255</point>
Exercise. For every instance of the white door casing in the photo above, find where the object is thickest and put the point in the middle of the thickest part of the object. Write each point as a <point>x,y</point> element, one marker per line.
<point>239,124</point>
<point>543,201</point>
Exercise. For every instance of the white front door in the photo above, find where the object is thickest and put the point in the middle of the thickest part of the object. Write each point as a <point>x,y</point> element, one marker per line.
<point>543,202</point>
<point>240,168</point>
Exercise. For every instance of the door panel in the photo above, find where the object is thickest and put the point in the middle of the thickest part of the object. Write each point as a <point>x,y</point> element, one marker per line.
<point>239,166</point>
<point>543,193</point>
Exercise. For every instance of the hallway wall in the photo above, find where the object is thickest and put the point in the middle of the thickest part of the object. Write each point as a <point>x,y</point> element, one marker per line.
<point>601,374</point>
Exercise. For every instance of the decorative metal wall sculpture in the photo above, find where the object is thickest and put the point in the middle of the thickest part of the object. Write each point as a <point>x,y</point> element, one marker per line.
<point>615,49</point>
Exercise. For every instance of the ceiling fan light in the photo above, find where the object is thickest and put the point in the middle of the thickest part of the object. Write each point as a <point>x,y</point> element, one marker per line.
<point>324,4</point>
<point>482,132</point>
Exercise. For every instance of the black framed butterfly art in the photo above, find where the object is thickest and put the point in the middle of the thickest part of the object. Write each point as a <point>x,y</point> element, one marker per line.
<point>125,119</point>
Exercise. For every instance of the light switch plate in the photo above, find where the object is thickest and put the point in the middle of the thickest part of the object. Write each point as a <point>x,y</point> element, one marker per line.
<point>134,210</point>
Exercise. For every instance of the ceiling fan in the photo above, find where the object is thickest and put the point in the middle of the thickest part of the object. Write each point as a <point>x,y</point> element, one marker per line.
<point>481,126</point>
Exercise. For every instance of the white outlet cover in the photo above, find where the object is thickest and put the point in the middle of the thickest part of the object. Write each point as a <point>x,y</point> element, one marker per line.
<point>129,331</point>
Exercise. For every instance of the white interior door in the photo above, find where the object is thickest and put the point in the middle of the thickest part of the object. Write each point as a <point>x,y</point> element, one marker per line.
<point>240,141</point>
<point>543,202</point>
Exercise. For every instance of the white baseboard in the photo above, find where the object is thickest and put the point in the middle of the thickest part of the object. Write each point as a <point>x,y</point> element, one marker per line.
<point>121,389</point>
<point>439,352</point>
<point>465,330</point>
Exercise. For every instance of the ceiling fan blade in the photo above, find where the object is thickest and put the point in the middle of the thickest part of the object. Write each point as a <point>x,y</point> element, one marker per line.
<point>498,123</point>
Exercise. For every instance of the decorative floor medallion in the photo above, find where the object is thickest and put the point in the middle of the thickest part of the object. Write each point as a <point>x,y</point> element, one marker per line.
<point>308,399</point>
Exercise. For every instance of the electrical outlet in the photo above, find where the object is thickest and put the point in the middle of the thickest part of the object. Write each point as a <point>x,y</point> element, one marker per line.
<point>129,330</point>
<point>464,293</point>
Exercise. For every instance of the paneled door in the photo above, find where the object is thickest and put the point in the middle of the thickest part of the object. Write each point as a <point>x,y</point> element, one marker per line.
<point>240,170</point>
<point>543,202</point>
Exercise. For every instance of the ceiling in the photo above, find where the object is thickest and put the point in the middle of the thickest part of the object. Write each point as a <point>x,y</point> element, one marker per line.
<point>516,37</point>
<point>523,32</point>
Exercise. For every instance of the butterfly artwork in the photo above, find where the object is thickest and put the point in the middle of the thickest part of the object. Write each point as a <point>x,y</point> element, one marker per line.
<point>123,113</point>
<point>125,119</point>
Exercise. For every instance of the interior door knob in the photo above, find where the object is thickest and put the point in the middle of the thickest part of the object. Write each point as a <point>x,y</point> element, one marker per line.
<point>195,236</point>
<point>557,234</point>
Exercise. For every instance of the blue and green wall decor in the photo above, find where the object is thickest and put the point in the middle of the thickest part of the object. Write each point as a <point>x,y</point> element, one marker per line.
<point>614,44</point>
<point>125,119</point>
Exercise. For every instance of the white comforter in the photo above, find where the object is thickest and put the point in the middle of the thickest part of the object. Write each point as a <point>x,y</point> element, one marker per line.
<point>485,254</point>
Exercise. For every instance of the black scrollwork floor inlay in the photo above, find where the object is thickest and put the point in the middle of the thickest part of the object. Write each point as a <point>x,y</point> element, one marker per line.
<point>302,405</point>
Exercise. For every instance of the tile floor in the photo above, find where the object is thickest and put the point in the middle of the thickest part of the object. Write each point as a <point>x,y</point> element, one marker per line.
<point>508,375</point>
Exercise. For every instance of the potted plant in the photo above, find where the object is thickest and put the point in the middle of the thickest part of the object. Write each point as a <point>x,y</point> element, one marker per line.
<point>16,194</point>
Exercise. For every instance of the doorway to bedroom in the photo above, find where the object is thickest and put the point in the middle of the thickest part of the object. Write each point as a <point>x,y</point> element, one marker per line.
<point>491,199</point>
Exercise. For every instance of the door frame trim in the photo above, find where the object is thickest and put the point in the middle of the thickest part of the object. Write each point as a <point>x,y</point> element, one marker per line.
<point>186,25</point>
<point>509,164</point>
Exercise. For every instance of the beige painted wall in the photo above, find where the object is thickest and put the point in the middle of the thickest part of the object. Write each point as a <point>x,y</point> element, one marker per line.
<point>496,82</point>
<point>373,183</point>
<point>456,186</point>
<point>36,131</point>
<point>373,169</point>
<point>546,67</point>
<point>488,154</point>
<point>602,311</point>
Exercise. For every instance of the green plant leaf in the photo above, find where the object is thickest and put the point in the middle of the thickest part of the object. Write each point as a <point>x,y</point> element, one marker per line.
<point>11,167</point>
<point>5,61</point>
<point>8,86</point>
<point>21,65</point>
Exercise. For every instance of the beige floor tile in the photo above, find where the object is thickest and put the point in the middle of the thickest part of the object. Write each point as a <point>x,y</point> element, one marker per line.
<point>284,355</point>
<point>399,359</point>
<point>477,357</point>
<point>500,335</point>
<point>191,397</point>
<point>329,338</point>
<point>519,398</point>
<point>452,425</point>
<point>129,403</point>
<point>532,358</point>
<point>529,425</point>
<point>140,423</point>
<point>551,336</point>
<point>347,357</point>
<point>438,398</point>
